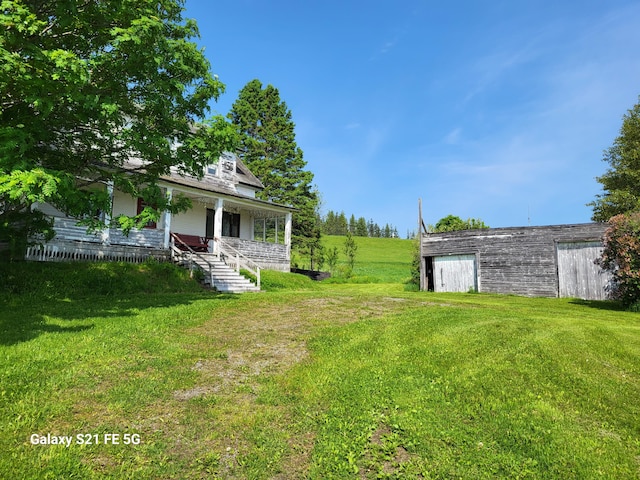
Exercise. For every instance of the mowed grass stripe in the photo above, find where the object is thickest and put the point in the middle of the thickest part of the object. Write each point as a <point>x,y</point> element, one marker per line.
<point>476,392</point>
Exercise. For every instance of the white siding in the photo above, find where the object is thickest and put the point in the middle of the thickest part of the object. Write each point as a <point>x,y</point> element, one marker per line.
<point>194,222</point>
<point>454,273</point>
<point>248,191</point>
<point>246,225</point>
<point>578,275</point>
<point>124,204</point>
<point>191,222</point>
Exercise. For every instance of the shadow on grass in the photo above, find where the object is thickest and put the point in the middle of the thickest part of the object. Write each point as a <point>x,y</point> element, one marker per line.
<point>25,318</point>
<point>599,304</point>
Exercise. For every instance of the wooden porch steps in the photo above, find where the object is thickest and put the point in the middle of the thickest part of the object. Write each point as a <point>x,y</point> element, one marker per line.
<point>224,278</point>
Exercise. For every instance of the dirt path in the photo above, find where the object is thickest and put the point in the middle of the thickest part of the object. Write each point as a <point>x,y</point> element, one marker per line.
<point>268,339</point>
<point>261,339</point>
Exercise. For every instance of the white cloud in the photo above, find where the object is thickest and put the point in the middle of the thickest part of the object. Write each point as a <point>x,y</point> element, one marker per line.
<point>453,137</point>
<point>388,46</point>
<point>488,70</point>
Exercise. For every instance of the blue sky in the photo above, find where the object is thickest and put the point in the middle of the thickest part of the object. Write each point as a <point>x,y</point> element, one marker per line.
<point>498,110</point>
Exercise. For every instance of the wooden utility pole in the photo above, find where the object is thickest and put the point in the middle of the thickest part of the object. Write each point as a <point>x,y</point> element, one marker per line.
<point>421,259</point>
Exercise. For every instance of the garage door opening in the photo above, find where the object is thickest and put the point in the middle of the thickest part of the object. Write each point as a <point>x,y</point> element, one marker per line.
<point>451,273</point>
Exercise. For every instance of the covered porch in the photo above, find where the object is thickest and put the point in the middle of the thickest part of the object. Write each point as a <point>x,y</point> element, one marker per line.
<point>258,230</point>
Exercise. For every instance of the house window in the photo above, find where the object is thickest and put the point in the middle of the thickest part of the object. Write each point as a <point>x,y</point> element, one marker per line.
<point>259,229</point>
<point>269,230</point>
<point>230,224</point>
<point>141,206</point>
<point>211,170</point>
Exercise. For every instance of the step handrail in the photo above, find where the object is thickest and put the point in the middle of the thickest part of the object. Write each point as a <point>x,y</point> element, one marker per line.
<point>241,261</point>
<point>179,253</point>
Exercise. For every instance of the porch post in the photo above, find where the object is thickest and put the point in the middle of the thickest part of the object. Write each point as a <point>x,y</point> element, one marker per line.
<point>217,226</point>
<point>287,235</point>
<point>167,220</point>
<point>108,214</point>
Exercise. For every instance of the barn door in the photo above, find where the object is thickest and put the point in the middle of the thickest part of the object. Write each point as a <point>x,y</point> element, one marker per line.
<point>455,273</point>
<point>578,275</point>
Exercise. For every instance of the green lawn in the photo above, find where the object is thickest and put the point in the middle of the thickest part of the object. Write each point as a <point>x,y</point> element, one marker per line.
<point>315,381</point>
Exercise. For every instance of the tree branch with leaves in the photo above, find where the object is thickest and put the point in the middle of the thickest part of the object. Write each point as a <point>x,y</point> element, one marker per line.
<point>87,86</point>
<point>621,182</point>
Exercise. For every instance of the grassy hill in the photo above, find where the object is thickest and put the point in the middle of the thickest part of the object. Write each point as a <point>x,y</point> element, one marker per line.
<point>386,260</point>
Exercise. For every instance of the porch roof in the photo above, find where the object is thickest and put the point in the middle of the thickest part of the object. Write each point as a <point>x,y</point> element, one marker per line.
<point>207,187</point>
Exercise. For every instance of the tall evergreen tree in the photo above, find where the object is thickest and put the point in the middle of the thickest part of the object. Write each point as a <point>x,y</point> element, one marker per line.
<point>352,224</point>
<point>329,223</point>
<point>371,228</point>
<point>268,147</point>
<point>342,227</point>
<point>361,227</point>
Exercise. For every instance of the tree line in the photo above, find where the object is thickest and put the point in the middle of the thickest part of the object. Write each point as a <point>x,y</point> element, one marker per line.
<point>334,223</point>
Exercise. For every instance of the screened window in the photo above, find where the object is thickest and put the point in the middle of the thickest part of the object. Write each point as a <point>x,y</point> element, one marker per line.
<point>230,224</point>
<point>270,230</point>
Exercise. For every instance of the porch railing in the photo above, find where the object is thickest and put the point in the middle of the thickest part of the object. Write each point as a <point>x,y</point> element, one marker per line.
<point>186,254</point>
<point>237,260</point>
<point>67,229</point>
<point>91,252</point>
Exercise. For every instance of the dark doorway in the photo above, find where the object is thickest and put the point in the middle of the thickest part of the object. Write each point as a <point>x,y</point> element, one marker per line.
<point>211,216</point>
<point>428,265</point>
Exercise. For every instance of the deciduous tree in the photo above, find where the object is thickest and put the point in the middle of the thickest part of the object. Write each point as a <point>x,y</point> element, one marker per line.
<point>621,257</point>
<point>332,259</point>
<point>621,182</point>
<point>452,223</point>
<point>350,248</point>
<point>85,85</point>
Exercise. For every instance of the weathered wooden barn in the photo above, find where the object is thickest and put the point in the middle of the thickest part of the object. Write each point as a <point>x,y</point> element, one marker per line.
<point>546,261</point>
